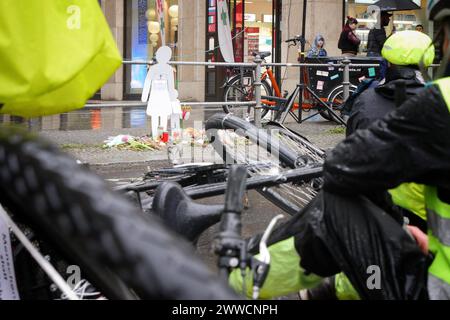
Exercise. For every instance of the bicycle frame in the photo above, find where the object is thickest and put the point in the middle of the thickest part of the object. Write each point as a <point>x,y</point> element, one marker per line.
<point>307,103</point>
<point>286,106</point>
<point>215,189</point>
<point>276,88</point>
<point>273,81</point>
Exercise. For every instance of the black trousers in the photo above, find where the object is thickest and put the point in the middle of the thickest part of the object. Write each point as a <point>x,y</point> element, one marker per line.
<point>337,233</point>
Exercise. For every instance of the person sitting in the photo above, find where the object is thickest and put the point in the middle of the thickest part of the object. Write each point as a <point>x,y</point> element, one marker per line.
<point>317,50</point>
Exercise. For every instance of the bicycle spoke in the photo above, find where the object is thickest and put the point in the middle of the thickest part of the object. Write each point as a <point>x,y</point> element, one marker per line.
<point>267,163</point>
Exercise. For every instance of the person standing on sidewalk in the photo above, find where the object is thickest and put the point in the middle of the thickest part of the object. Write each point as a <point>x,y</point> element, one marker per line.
<point>349,41</point>
<point>377,37</point>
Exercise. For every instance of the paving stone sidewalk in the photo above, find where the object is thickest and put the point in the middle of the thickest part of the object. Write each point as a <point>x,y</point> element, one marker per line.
<point>86,145</point>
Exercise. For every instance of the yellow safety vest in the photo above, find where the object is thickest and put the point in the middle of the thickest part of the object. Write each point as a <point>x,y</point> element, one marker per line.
<point>438,216</point>
<point>410,196</point>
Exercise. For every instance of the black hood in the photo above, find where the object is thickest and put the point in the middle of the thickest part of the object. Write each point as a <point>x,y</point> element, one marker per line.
<point>412,78</point>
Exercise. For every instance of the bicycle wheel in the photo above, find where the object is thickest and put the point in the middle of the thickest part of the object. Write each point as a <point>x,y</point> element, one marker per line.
<point>76,212</point>
<point>243,90</point>
<point>267,152</point>
<point>336,102</point>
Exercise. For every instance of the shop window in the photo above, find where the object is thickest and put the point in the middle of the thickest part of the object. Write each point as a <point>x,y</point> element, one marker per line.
<point>144,32</point>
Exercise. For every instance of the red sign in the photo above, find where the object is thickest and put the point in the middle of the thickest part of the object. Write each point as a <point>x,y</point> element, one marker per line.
<point>252,30</point>
<point>252,39</point>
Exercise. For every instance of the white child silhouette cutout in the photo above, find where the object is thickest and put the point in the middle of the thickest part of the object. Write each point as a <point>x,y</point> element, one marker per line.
<point>159,91</point>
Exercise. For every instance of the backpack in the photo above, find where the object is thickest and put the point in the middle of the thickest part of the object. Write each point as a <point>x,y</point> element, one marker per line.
<point>363,86</point>
<point>54,55</point>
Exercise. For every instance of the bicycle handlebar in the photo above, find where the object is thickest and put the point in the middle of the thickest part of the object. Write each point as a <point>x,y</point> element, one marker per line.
<point>229,245</point>
<point>297,38</point>
<point>236,186</point>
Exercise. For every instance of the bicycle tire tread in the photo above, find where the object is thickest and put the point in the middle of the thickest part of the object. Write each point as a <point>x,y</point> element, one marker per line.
<point>78,211</point>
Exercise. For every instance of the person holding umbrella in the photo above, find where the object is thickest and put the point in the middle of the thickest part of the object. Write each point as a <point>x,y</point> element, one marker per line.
<point>377,36</point>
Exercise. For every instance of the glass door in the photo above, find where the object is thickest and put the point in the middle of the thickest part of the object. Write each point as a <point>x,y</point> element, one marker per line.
<point>255,26</point>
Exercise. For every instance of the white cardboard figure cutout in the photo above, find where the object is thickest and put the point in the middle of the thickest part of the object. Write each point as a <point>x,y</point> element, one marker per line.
<point>159,91</point>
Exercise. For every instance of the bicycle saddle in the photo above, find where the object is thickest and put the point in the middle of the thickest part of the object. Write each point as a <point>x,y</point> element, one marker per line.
<point>181,213</point>
<point>262,54</point>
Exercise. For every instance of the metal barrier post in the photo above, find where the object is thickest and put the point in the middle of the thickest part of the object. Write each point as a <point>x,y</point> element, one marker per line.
<point>346,82</point>
<point>258,84</point>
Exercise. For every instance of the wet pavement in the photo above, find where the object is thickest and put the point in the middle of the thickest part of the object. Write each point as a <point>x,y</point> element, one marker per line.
<point>102,120</point>
<point>110,119</point>
<point>255,220</point>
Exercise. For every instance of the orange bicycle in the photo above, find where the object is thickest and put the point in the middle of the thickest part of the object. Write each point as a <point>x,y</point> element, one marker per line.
<point>241,88</point>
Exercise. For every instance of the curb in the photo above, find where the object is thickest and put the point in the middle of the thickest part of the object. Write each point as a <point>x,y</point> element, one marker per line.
<point>127,166</point>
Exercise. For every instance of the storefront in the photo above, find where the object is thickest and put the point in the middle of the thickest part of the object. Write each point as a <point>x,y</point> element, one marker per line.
<point>144,32</point>
<point>190,29</point>
<point>253,26</point>
<point>252,23</point>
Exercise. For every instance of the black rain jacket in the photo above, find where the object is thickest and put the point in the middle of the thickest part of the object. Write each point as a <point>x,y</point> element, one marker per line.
<point>374,103</point>
<point>410,144</point>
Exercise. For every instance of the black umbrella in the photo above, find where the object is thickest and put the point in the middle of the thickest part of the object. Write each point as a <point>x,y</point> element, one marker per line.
<point>396,5</point>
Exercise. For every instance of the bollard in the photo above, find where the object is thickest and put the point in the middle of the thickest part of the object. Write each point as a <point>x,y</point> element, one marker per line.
<point>258,84</point>
<point>346,82</point>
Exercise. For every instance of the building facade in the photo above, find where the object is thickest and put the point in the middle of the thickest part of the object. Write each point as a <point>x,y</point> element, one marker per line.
<point>190,29</point>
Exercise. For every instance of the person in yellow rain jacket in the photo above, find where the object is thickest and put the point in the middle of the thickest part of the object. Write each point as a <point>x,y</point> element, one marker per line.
<point>350,228</point>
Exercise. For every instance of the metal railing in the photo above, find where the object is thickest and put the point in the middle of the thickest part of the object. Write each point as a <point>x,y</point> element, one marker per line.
<point>257,65</point>
<point>190,104</point>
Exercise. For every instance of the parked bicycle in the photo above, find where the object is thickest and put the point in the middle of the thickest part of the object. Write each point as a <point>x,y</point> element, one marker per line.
<point>240,86</point>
